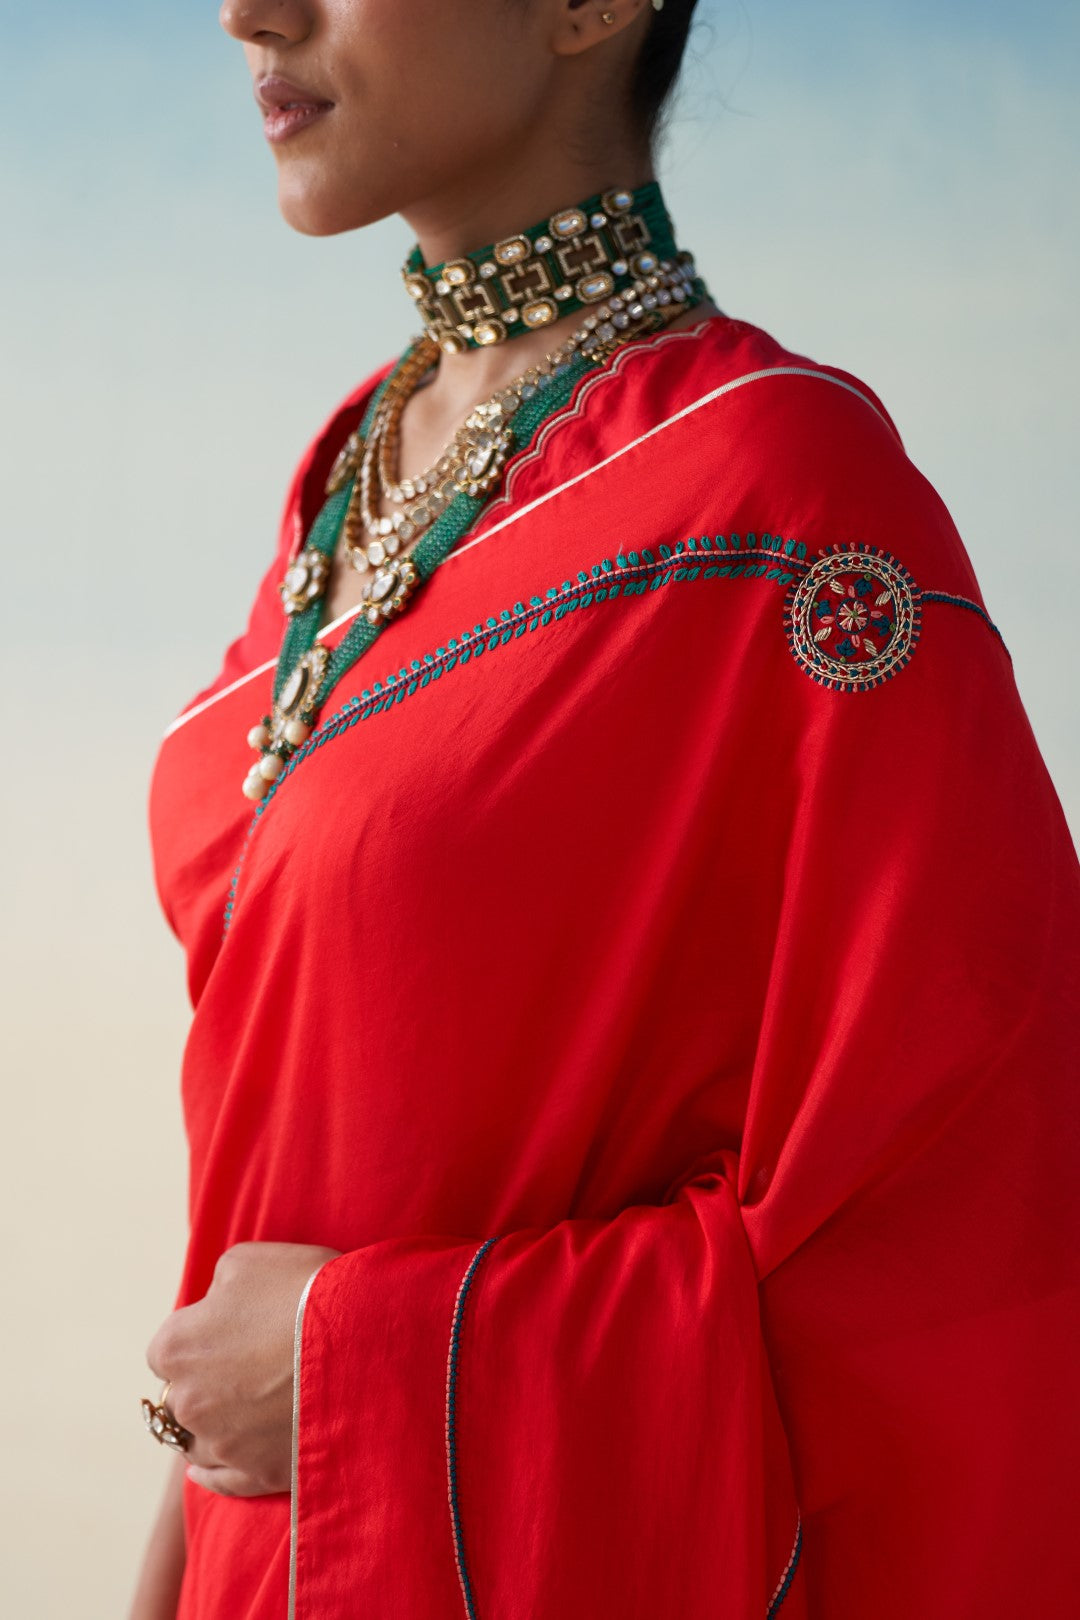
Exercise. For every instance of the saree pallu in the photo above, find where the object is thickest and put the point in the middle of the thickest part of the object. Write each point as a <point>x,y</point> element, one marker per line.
<point>658,976</point>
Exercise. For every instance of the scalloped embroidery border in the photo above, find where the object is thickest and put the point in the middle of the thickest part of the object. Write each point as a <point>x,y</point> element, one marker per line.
<point>767,373</point>
<point>589,384</point>
<point>623,358</point>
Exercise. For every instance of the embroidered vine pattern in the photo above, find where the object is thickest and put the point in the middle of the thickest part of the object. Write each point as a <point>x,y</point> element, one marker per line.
<point>628,574</point>
<point>833,660</point>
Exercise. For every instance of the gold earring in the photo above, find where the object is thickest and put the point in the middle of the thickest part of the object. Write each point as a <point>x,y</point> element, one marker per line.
<point>609,16</point>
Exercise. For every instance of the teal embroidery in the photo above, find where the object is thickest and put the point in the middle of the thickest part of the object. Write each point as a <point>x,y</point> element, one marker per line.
<point>966,602</point>
<point>633,573</point>
<point>451,1428</point>
<point>629,574</point>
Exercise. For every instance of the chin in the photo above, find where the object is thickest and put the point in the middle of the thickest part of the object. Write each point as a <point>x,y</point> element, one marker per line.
<point>316,209</point>
<point>313,215</point>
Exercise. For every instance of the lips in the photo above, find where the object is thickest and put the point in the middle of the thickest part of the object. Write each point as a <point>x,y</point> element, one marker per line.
<point>287,107</point>
<point>275,93</point>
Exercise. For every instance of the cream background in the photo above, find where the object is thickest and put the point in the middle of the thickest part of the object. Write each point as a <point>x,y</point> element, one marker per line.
<point>886,188</point>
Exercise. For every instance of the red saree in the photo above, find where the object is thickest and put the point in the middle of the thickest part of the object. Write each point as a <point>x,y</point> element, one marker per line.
<point>659,976</point>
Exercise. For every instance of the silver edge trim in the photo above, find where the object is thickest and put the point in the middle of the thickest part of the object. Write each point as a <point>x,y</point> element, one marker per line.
<point>773,1604</point>
<point>298,1334</point>
<point>450,1444</point>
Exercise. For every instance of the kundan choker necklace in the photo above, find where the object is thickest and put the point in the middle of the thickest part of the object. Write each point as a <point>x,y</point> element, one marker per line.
<point>645,284</point>
<point>576,258</point>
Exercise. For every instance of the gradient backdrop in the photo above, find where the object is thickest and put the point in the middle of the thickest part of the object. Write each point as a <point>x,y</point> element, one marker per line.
<point>889,186</point>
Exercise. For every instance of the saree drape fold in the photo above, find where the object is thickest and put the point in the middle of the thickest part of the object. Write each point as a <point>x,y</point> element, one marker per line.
<point>612,1435</point>
<point>659,977</point>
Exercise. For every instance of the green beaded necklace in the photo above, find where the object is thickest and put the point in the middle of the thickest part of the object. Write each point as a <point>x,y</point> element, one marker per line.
<point>663,283</point>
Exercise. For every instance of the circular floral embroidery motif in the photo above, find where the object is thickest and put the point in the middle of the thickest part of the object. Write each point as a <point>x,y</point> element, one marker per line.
<point>853,619</point>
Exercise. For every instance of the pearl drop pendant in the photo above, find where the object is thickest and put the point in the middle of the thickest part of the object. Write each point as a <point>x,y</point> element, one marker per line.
<point>255,784</point>
<point>278,735</point>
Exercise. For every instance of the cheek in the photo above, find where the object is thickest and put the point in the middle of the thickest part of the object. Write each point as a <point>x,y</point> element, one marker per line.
<point>436,74</point>
<point>422,100</point>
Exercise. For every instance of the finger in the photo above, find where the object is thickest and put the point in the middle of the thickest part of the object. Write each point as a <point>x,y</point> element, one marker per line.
<point>195,1448</point>
<point>218,1480</point>
<point>165,1347</point>
<point>200,1456</point>
<point>224,1481</point>
<point>176,1403</point>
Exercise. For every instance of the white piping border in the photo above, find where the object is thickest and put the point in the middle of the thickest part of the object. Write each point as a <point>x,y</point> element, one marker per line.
<point>199,708</point>
<point>661,427</point>
<point>560,489</point>
<point>241,680</point>
<point>294,1475</point>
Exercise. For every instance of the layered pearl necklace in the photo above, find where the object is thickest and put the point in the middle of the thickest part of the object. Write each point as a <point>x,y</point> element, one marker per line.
<point>473,461</point>
<point>430,512</point>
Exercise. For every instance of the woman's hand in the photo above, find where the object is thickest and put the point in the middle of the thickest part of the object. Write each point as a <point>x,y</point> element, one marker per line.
<point>230,1359</point>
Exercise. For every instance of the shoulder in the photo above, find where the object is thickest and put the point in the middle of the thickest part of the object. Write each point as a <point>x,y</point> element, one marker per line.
<point>795,470</point>
<point>763,439</point>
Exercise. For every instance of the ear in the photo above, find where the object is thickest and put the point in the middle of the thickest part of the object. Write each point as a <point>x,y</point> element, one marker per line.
<point>581,24</point>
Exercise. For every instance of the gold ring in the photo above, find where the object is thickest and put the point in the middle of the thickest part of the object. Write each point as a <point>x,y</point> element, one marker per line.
<point>163,1425</point>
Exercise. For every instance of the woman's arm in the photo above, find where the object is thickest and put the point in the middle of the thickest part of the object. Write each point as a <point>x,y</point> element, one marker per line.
<point>158,1590</point>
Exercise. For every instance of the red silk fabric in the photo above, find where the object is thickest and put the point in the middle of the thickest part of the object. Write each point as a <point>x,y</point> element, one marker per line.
<point>680,1047</point>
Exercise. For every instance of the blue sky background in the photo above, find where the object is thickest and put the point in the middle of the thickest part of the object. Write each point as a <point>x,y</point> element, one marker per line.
<point>887,187</point>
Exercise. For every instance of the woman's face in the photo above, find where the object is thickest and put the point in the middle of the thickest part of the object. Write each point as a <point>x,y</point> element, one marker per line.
<point>373,107</point>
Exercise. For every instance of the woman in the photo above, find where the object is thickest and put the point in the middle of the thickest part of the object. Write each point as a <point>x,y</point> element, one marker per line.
<point>627,1096</point>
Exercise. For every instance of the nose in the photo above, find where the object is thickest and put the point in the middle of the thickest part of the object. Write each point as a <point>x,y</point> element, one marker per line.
<point>263,20</point>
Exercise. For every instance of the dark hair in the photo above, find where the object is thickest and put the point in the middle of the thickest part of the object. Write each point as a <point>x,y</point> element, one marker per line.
<point>657,67</point>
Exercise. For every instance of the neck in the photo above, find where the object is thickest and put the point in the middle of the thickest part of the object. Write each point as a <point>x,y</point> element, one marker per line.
<point>465,218</point>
